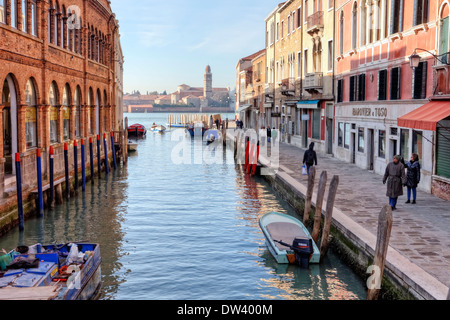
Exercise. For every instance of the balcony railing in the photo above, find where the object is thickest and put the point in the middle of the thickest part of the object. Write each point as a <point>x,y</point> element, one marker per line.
<point>313,81</point>
<point>315,21</point>
<point>288,87</point>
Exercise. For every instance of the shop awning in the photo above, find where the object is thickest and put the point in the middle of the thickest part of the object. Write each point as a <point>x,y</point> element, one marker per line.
<point>308,104</point>
<point>243,107</point>
<point>426,116</point>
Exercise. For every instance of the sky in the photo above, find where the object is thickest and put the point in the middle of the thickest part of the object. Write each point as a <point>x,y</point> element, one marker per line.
<point>169,42</point>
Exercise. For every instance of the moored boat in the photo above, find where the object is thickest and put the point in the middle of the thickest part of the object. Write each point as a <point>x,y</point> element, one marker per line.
<point>132,146</point>
<point>158,128</point>
<point>288,240</point>
<point>69,271</point>
<point>176,125</point>
<point>137,130</point>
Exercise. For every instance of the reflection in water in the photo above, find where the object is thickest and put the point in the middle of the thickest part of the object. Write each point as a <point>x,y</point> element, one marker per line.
<point>184,231</point>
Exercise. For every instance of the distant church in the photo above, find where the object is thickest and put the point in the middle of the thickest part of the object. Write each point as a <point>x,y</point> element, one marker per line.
<point>201,97</point>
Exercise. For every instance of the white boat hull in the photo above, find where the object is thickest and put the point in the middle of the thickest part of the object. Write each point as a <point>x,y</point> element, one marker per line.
<point>279,252</point>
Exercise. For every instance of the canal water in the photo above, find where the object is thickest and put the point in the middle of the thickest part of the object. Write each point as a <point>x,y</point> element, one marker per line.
<point>184,231</point>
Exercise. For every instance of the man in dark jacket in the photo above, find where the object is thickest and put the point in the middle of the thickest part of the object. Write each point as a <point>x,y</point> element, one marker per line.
<point>310,157</point>
<point>395,178</point>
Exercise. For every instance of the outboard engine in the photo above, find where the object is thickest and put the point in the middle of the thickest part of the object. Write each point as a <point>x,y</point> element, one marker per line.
<point>303,248</point>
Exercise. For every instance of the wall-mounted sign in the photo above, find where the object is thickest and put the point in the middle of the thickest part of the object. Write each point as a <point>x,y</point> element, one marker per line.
<point>370,112</point>
<point>276,114</point>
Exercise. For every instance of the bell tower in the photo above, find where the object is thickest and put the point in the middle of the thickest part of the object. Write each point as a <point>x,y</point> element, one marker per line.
<point>207,87</point>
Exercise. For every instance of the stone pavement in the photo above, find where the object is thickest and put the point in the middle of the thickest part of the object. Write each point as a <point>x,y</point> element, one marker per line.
<point>420,233</point>
<point>419,251</point>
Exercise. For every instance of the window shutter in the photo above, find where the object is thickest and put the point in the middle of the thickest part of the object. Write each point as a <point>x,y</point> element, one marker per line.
<point>392,28</point>
<point>423,92</point>
<point>415,13</point>
<point>400,22</point>
<point>362,87</point>
<point>382,84</point>
<point>352,88</point>
<point>395,83</point>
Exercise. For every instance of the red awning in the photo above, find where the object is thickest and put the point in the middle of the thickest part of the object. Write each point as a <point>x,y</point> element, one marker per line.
<point>426,116</point>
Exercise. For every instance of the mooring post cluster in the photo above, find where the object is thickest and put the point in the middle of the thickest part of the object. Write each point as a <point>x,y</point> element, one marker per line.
<point>54,187</point>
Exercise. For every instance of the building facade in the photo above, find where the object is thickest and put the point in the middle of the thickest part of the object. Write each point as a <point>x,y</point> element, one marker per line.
<point>245,94</point>
<point>258,87</point>
<point>339,73</point>
<point>299,72</point>
<point>377,89</point>
<point>59,81</point>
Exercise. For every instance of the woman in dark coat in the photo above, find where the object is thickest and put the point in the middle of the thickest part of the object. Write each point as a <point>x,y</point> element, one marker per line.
<point>395,178</point>
<point>412,177</point>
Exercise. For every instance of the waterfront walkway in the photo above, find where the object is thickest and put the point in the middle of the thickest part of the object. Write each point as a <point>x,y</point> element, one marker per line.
<point>419,252</point>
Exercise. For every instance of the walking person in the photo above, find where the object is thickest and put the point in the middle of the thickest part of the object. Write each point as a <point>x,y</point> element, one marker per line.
<point>310,157</point>
<point>396,179</point>
<point>412,177</point>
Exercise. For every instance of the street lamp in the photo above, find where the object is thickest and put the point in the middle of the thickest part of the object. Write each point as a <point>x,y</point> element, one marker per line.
<point>414,59</point>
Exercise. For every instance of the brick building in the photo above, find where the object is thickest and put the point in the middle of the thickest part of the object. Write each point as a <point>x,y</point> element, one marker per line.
<point>60,71</point>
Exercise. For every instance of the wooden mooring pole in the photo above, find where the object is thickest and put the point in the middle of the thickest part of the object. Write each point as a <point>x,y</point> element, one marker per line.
<point>383,235</point>
<point>332,190</point>
<point>319,202</point>
<point>309,193</point>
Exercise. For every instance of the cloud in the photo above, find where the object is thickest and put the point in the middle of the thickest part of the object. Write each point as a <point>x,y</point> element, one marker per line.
<point>199,45</point>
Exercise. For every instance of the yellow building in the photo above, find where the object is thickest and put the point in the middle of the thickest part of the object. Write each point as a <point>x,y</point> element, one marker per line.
<point>258,87</point>
<point>299,72</point>
<point>316,107</point>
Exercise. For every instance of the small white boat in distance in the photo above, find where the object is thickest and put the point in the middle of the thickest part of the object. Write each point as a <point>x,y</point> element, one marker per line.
<point>288,240</point>
<point>132,146</point>
<point>158,128</point>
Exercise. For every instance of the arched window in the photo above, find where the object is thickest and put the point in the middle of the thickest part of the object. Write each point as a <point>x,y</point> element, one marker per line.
<point>10,134</point>
<point>354,24</point>
<point>24,15</point>
<point>90,102</point>
<point>34,22</point>
<point>31,115</point>
<point>13,13</point>
<point>98,103</point>
<point>444,33</point>
<point>55,24</point>
<point>362,32</point>
<point>104,113</point>
<point>49,24</point>
<point>77,103</point>
<point>65,109</point>
<point>341,33</point>
<point>63,27</point>
<point>53,100</point>
<point>2,11</point>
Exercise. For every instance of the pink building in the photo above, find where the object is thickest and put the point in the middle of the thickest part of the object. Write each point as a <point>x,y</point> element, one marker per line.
<point>381,101</point>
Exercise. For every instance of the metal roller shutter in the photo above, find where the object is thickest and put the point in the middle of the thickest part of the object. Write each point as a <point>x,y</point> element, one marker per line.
<point>443,149</point>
